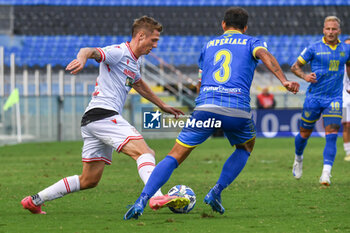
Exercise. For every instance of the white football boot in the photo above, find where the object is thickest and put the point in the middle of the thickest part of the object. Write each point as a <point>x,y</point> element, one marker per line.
<point>297,168</point>
<point>325,178</point>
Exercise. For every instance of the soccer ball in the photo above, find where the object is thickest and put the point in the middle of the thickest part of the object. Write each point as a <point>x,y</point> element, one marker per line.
<point>183,191</point>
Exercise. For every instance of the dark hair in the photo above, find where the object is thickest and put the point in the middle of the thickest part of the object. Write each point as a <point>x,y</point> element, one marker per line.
<point>147,23</point>
<point>236,17</point>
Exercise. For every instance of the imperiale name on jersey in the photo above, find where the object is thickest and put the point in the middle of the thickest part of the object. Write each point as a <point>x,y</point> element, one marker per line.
<point>227,41</point>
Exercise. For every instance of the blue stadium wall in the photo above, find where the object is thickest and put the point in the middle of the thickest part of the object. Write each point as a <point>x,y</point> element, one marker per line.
<point>52,32</point>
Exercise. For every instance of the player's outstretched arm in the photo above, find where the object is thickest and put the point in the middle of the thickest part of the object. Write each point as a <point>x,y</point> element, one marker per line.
<point>144,90</point>
<point>271,63</point>
<point>78,64</point>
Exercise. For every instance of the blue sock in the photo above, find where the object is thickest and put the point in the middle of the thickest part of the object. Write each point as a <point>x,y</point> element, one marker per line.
<point>218,189</point>
<point>330,150</point>
<point>300,144</point>
<point>160,176</point>
<point>232,167</point>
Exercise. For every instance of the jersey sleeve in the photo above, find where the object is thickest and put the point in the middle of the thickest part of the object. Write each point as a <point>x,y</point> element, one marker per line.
<point>306,55</point>
<point>111,54</point>
<point>201,57</point>
<point>257,44</point>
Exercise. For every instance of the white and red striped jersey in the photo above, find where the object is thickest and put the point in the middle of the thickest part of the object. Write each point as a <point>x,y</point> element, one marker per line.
<point>119,70</point>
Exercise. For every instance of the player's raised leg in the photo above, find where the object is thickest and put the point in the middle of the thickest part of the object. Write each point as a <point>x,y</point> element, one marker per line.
<point>91,175</point>
<point>95,155</point>
<point>145,159</point>
<point>158,178</point>
<point>117,133</point>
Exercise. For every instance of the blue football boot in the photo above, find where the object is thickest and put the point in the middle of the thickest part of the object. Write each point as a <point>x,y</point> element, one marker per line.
<point>214,201</point>
<point>136,209</point>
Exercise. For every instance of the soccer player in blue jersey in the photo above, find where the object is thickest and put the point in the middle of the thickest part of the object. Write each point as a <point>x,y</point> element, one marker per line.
<point>327,58</point>
<point>227,63</point>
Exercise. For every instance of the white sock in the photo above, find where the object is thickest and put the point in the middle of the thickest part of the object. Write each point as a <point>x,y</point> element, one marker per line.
<point>347,148</point>
<point>299,158</point>
<point>327,168</point>
<point>66,185</point>
<point>145,166</point>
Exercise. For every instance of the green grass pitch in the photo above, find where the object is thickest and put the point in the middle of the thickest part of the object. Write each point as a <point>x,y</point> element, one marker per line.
<point>264,198</point>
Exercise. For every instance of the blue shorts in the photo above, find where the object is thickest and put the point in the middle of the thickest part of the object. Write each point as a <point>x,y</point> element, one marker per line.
<point>237,130</point>
<point>331,111</point>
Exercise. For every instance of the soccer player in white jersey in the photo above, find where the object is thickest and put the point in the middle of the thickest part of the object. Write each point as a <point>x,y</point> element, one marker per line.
<point>103,128</point>
<point>346,112</point>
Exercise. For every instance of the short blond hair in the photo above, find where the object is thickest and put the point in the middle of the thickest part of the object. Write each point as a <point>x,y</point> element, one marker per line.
<point>145,23</point>
<point>332,18</point>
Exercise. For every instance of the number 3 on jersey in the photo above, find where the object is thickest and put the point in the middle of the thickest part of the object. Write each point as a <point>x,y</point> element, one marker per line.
<point>223,74</point>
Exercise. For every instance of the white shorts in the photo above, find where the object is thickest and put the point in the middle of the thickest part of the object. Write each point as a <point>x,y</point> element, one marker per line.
<point>102,136</point>
<point>346,108</point>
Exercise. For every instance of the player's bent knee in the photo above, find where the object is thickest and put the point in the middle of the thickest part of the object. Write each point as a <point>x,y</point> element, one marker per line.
<point>93,184</point>
<point>305,133</point>
<point>87,183</point>
<point>136,148</point>
<point>332,128</point>
<point>248,146</point>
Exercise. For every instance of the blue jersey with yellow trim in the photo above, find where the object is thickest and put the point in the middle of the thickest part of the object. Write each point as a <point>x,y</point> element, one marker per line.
<point>228,63</point>
<point>327,62</point>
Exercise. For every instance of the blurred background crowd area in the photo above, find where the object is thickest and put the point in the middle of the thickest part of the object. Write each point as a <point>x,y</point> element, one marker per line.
<point>40,37</point>
<point>41,32</point>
